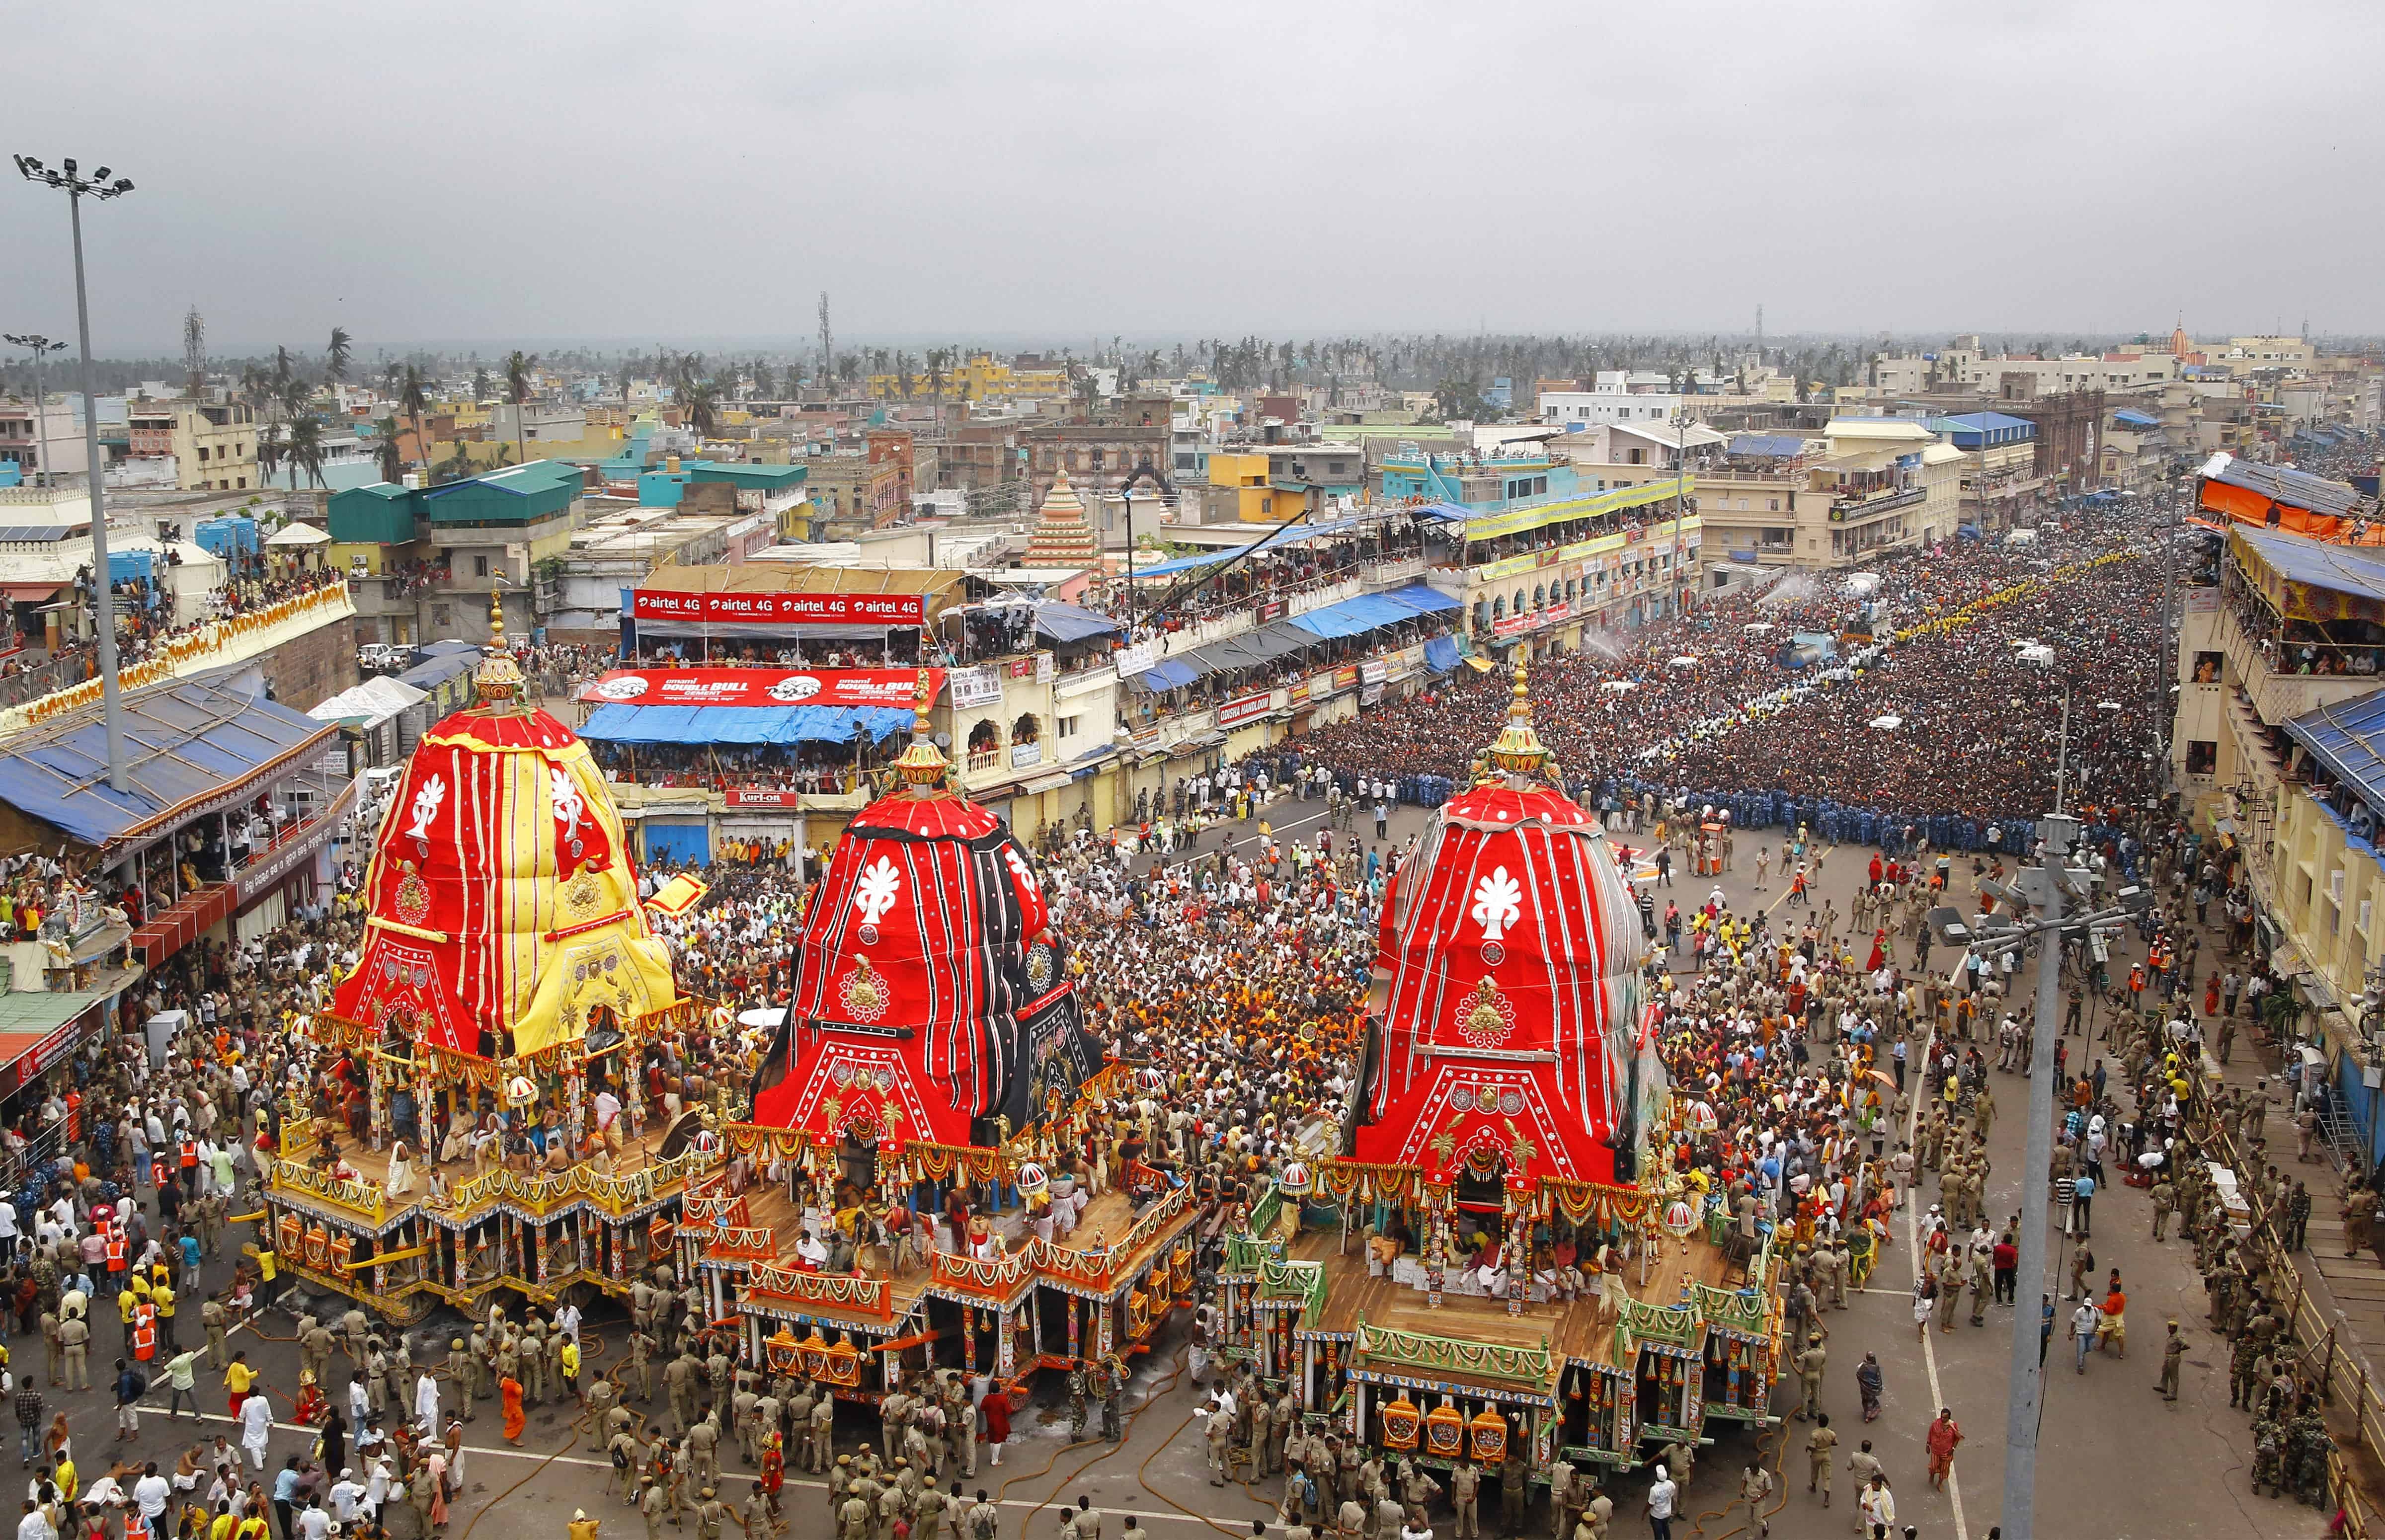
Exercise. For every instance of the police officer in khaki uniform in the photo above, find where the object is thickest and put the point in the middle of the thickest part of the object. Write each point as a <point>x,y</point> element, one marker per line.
<point>1464,1491</point>
<point>1819,1446</point>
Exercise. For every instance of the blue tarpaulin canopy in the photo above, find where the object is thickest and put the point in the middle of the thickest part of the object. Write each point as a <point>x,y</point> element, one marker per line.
<point>1073,622</point>
<point>1166,674</point>
<point>1297,534</point>
<point>2344,737</point>
<point>1367,611</point>
<point>742,725</point>
<point>184,744</point>
<point>432,672</point>
<point>1441,654</point>
<point>2129,416</point>
<point>1766,446</point>
<point>2300,559</point>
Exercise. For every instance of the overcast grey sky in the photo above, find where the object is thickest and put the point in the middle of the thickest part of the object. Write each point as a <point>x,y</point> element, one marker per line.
<point>660,172</point>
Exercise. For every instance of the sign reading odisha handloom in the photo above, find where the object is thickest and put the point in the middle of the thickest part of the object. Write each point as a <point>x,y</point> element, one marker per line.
<point>762,686</point>
<point>781,608</point>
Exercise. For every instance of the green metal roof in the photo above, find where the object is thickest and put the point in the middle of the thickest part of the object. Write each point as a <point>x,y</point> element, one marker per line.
<point>518,494</point>
<point>40,1011</point>
<point>774,478</point>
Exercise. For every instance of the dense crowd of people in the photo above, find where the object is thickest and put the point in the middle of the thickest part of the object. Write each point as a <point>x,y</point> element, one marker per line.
<point>1951,719</point>
<point>1831,1076</point>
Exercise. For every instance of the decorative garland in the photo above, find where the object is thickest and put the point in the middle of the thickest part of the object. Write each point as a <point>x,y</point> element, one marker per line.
<point>616,1194</point>
<point>1675,1325</point>
<point>867,1296</point>
<point>169,657</point>
<point>365,1197</point>
<point>1535,1366</point>
<point>741,1243</point>
<point>1744,1315</point>
<point>995,1279</point>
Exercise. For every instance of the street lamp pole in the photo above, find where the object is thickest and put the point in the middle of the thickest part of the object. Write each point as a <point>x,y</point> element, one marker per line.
<point>65,178</point>
<point>37,345</point>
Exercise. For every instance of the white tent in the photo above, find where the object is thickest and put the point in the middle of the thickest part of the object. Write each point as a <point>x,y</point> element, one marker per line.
<point>369,705</point>
<point>300,535</point>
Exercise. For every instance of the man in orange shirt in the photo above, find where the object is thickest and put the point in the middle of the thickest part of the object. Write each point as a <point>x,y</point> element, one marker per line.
<point>2114,1337</point>
<point>1944,1434</point>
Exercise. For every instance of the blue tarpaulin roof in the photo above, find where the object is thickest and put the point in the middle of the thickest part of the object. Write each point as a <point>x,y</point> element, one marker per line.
<point>2135,418</point>
<point>1367,611</point>
<point>1168,674</point>
<point>2344,736</point>
<point>746,725</point>
<point>2322,563</point>
<point>184,744</point>
<point>1446,512</point>
<point>1297,534</point>
<point>1770,446</point>
<point>431,673</point>
<point>1073,622</point>
<point>1441,654</point>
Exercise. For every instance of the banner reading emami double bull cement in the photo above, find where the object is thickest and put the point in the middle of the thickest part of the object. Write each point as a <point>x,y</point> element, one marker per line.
<point>763,687</point>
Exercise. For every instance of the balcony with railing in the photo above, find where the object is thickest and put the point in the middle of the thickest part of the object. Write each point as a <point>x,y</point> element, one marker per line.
<point>2271,677</point>
<point>1870,504</point>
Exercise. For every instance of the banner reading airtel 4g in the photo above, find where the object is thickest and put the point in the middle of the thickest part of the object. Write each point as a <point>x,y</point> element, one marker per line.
<point>763,607</point>
<point>763,687</point>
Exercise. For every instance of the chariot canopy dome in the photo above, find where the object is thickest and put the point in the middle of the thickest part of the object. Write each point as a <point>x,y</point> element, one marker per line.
<point>933,998</point>
<point>1513,944</point>
<point>503,913</point>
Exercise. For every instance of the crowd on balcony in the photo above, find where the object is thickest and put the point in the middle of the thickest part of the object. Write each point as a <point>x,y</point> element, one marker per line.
<point>147,617</point>
<point>1551,537</point>
<point>812,769</point>
<point>2297,646</point>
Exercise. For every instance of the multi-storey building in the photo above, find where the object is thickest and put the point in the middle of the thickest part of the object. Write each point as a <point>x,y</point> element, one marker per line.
<point>423,561</point>
<point>2000,484</point>
<point>1615,396</point>
<point>42,439</point>
<point>1263,483</point>
<point>213,446</point>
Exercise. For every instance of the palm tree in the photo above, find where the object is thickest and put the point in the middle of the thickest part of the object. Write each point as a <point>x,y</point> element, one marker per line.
<point>335,357</point>
<point>305,451</point>
<point>456,466</point>
<point>410,398</point>
<point>937,359</point>
<point>700,397</point>
<point>268,451</point>
<point>518,367</point>
<point>904,380</point>
<point>393,462</point>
